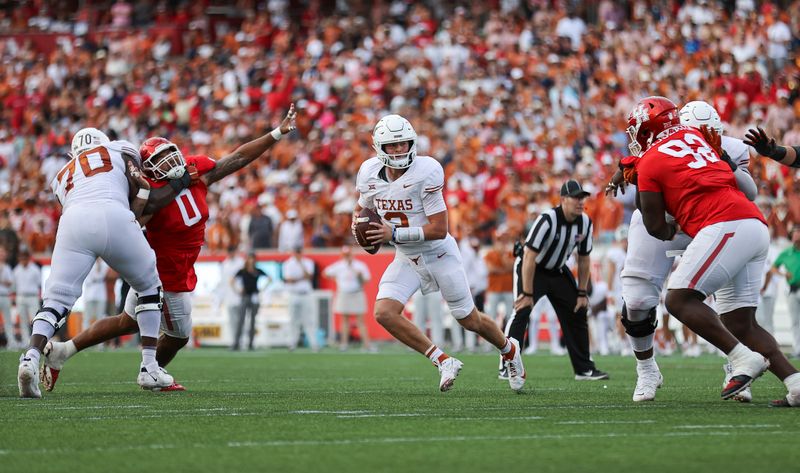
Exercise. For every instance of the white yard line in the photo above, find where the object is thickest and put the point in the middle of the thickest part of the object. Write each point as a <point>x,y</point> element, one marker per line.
<point>385,440</point>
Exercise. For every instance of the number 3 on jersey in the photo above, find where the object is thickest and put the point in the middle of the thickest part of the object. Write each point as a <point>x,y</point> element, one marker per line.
<point>681,148</point>
<point>189,210</point>
<point>93,161</point>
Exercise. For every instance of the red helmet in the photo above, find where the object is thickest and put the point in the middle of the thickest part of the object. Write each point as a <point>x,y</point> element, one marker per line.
<point>161,158</point>
<point>649,117</point>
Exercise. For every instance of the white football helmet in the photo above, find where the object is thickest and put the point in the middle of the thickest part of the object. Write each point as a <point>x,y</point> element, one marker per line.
<point>86,139</point>
<point>394,129</point>
<point>699,113</point>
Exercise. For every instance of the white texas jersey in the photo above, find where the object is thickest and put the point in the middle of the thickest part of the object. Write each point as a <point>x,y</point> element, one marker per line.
<point>738,151</point>
<point>407,201</point>
<point>96,175</point>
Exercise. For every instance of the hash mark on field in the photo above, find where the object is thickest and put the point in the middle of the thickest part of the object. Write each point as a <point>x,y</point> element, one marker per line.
<point>726,426</point>
<point>584,422</point>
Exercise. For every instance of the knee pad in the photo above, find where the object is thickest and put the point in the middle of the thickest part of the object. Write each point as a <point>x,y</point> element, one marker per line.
<point>150,301</point>
<point>53,317</point>
<point>639,328</point>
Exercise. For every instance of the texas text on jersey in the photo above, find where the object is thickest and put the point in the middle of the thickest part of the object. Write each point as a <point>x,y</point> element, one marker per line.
<point>177,231</point>
<point>407,201</point>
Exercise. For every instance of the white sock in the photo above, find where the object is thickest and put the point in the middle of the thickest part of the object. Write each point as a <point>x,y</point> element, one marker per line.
<point>33,354</point>
<point>739,352</point>
<point>70,348</point>
<point>436,355</point>
<point>149,358</point>
<point>507,347</point>
<point>646,363</point>
<point>792,382</point>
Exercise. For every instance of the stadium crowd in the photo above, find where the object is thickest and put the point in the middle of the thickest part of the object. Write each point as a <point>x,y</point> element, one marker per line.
<point>512,96</point>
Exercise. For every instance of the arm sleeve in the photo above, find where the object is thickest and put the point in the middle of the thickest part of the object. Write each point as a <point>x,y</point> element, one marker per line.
<point>539,233</point>
<point>585,246</point>
<point>796,163</point>
<point>745,183</point>
<point>432,197</point>
<point>126,147</point>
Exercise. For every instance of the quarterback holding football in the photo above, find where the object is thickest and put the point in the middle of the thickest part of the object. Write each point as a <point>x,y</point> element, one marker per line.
<point>406,192</point>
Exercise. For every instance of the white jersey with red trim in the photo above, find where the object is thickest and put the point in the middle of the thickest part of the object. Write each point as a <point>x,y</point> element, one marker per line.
<point>95,176</point>
<point>407,201</point>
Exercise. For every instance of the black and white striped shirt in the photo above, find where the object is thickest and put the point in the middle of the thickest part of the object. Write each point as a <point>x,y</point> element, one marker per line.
<point>554,238</point>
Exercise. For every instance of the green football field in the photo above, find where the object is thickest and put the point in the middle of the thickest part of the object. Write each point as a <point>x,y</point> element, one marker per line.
<point>275,411</point>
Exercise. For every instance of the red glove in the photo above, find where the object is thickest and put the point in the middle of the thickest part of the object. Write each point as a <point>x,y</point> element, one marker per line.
<point>628,166</point>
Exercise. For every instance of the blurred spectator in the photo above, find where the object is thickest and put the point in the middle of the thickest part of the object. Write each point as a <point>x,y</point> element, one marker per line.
<point>27,287</point>
<point>502,91</point>
<point>350,275</point>
<point>477,276</point>
<point>94,294</point>
<point>298,273</point>
<point>260,229</point>
<point>6,286</point>
<point>290,232</point>
<point>248,281</point>
<point>500,263</point>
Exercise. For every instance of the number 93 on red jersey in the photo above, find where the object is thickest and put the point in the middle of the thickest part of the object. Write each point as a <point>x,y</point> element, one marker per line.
<point>699,189</point>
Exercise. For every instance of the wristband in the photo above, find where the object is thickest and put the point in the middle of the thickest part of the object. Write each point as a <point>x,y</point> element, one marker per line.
<point>276,134</point>
<point>408,234</point>
<point>582,293</point>
<point>778,154</point>
<point>394,233</point>
<point>143,194</point>
<point>527,294</point>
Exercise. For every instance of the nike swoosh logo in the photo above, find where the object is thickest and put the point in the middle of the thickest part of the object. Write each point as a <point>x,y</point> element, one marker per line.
<point>439,256</point>
<point>407,185</point>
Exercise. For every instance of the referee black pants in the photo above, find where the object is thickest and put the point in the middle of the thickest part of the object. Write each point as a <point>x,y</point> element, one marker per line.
<point>560,287</point>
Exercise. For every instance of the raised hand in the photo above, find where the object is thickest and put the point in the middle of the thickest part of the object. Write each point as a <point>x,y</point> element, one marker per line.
<point>758,139</point>
<point>288,123</point>
<point>713,139</point>
<point>137,176</point>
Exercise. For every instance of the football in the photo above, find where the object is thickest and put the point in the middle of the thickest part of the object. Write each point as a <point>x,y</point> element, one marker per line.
<point>365,217</point>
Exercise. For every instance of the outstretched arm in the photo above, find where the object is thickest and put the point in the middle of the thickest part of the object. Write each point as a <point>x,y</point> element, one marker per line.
<point>250,151</point>
<point>766,146</point>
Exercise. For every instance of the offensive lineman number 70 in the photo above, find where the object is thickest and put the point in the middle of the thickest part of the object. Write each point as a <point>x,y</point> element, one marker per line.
<point>93,161</point>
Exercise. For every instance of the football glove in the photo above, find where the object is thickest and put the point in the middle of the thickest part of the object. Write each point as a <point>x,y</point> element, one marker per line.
<point>763,144</point>
<point>715,141</point>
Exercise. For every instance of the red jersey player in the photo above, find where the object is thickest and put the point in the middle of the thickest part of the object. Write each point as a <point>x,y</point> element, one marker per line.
<point>679,173</point>
<point>176,232</point>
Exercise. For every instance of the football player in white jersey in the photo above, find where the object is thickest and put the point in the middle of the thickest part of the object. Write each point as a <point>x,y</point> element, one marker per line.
<point>98,188</point>
<point>647,265</point>
<point>406,191</point>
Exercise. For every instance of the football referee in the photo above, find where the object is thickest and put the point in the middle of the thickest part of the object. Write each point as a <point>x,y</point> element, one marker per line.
<point>541,271</point>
